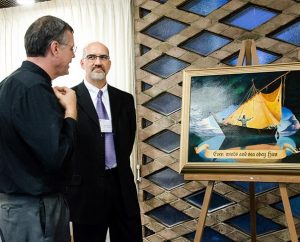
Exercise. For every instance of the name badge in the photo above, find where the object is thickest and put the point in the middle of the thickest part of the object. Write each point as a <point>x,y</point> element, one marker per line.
<point>105,125</point>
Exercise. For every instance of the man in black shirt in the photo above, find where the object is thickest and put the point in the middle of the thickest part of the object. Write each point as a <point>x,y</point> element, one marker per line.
<point>37,130</point>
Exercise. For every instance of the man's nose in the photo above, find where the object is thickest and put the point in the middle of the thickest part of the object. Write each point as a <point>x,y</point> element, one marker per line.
<point>96,64</point>
<point>98,61</point>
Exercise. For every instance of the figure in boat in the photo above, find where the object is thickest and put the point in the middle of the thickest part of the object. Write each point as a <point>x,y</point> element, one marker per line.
<point>259,113</point>
<point>244,120</point>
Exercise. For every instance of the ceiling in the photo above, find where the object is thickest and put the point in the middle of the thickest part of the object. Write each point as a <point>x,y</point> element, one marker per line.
<point>13,3</point>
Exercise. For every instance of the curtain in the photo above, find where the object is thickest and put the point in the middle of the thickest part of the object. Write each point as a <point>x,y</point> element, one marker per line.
<point>107,21</point>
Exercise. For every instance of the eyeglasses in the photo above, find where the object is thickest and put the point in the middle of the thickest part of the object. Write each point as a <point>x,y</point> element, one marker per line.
<point>73,48</point>
<point>94,57</point>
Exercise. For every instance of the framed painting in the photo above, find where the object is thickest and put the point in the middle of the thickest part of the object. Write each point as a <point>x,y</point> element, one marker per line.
<point>241,120</point>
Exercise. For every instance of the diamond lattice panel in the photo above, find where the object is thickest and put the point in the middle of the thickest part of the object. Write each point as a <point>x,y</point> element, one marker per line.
<point>260,187</point>
<point>146,159</point>
<point>148,232</point>
<point>295,205</point>
<point>202,7</point>
<point>144,49</point>
<point>165,66</point>
<point>167,178</point>
<point>166,140</point>
<point>160,1</point>
<point>165,103</point>
<point>264,57</point>
<point>192,34</point>
<point>147,196</point>
<point>164,28</point>
<point>217,201</point>
<point>289,33</point>
<point>265,225</point>
<point>145,86</point>
<point>250,17</point>
<point>146,123</point>
<point>168,215</point>
<point>144,12</point>
<point>205,43</point>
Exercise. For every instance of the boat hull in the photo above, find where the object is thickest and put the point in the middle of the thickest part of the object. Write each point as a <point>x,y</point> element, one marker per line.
<point>233,130</point>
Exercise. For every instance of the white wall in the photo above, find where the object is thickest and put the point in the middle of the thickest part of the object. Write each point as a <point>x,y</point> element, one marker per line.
<point>108,21</point>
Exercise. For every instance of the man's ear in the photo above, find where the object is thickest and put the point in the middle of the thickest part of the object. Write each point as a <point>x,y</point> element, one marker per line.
<point>53,47</point>
<point>109,66</point>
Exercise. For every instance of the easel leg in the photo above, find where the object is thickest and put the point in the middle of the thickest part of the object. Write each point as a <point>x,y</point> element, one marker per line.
<point>203,212</point>
<point>288,212</point>
<point>252,211</point>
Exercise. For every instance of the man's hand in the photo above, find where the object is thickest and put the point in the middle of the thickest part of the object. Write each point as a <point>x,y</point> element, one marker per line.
<point>67,99</point>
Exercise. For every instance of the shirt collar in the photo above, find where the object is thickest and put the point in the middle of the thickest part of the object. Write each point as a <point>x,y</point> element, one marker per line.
<point>94,90</point>
<point>33,67</point>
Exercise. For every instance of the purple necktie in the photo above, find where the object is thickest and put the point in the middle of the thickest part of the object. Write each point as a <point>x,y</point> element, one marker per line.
<point>101,111</point>
<point>110,154</point>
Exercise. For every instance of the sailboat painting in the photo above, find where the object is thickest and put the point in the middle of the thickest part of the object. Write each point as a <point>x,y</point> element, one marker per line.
<point>242,118</point>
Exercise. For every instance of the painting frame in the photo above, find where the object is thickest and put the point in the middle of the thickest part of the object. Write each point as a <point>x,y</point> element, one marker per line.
<point>266,166</point>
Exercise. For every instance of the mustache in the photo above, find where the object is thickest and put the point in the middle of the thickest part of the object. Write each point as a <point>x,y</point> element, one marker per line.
<point>98,67</point>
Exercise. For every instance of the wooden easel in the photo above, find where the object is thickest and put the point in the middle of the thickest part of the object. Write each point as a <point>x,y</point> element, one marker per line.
<point>248,52</point>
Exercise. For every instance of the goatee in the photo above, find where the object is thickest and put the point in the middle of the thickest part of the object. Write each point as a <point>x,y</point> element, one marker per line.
<point>98,76</point>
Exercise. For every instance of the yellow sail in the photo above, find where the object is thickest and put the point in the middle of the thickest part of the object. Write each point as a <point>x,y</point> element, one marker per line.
<point>261,111</point>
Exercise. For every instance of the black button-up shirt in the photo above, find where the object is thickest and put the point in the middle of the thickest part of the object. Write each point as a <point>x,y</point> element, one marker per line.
<point>36,141</point>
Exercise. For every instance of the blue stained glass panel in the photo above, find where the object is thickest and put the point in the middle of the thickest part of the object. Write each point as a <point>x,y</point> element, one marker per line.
<point>209,235</point>
<point>145,86</point>
<point>165,66</point>
<point>146,123</point>
<point>260,187</point>
<point>164,28</point>
<point>144,12</point>
<point>264,57</point>
<point>168,215</point>
<point>265,225</point>
<point>147,195</point>
<point>167,178</point>
<point>161,1</point>
<point>166,140</point>
<point>250,17</point>
<point>203,7</point>
<point>217,201</point>
<point>290,34</point>
<point>146,159</point>
<point>295,205</point>
<point>144,49</point>
<point>205,43</point>
<point>165,103</point>
<point>148,232</point>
